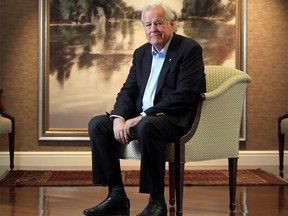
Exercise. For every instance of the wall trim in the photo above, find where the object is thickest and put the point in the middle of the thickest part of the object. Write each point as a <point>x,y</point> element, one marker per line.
<point>78,160</point>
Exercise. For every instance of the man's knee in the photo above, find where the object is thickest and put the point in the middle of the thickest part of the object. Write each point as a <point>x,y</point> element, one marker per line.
<point>95,122</point>
<point>92,123</point>
<point>145,126</point>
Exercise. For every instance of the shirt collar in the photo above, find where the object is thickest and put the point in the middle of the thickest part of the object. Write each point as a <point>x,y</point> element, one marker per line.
<point>163,52</point>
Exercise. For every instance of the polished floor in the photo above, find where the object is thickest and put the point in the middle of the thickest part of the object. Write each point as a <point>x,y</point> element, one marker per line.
<point>198,201</point>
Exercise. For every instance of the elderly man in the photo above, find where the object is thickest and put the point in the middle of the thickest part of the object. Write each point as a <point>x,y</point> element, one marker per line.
<point>153,106</point>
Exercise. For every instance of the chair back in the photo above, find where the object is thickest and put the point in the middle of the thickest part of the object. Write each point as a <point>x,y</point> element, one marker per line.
<point>218,130</point>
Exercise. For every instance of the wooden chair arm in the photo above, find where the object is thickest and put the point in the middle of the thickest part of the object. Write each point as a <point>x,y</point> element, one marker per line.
<point>194,121</point>
<point>4,113</point>
<point>283,117</point>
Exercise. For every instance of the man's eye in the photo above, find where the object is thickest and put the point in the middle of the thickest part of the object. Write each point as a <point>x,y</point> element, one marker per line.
<point>158,23</point>
<point>148,25</point>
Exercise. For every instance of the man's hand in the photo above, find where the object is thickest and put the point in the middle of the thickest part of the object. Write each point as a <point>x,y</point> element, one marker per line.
<point>123,129</point>
<point>130,124</point>
<point>118,128</point>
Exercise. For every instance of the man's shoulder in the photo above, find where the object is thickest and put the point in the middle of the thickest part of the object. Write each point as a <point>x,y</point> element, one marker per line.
<point>142,50</point>
<point>180,39</point>
<point>144,47</point>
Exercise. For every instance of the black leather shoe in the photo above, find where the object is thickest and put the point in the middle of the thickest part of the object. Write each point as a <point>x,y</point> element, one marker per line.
<point>154,208</point>
<point>110,206</point>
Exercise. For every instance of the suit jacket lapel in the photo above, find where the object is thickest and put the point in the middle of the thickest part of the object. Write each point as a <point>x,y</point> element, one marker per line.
<point>147,62</point>
<point>170,56</point>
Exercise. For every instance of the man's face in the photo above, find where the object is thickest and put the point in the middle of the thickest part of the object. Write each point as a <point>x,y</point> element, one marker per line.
<point>158,30</point>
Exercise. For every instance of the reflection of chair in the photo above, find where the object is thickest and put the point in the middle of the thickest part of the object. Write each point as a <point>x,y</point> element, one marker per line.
<point>282,131</point>
<point>7,125</point>
<point>214,133</point>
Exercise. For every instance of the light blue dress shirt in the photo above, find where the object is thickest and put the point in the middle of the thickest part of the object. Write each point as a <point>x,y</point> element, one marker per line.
<point>150,90</point>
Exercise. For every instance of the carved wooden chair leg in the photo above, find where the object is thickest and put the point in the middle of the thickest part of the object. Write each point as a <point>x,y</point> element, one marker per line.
<point>281,154</point>
<point>233,164</point>
<point>281,138</point>
<point>172,183</point>
<point>11,149</point>
<point>282,131</point>
<point>179,188</point>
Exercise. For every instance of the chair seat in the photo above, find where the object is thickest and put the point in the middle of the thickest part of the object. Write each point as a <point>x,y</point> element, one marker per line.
<point>284,126</point>
<point>5,125</point>
<point>132,151</point>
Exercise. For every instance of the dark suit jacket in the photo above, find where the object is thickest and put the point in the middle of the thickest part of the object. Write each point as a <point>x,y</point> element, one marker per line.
<point>181,80</point>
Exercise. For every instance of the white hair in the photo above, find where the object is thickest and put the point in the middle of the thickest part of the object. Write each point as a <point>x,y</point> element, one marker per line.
<point>169,15</point>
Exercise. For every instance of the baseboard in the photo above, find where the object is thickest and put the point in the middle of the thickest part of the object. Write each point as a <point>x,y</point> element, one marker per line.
<point>78,160</point>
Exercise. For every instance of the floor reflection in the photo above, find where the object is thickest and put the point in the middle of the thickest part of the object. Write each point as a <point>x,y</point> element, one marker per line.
<point>252,200</point>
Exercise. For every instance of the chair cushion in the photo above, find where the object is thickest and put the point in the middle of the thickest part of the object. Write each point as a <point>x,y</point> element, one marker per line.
<point>132,151</point>
<point>5,125</point>
<point>284,126</point>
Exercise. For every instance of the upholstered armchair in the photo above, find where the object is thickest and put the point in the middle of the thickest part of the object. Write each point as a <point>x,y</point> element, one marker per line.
<point>282,132</point>
<point>7,126</point>
<point>214,132</point>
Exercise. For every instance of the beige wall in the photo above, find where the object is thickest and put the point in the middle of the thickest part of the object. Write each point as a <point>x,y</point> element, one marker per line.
<point>267,64</point>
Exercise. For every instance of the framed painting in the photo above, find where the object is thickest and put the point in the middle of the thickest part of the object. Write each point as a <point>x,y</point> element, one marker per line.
<point>86,47</point>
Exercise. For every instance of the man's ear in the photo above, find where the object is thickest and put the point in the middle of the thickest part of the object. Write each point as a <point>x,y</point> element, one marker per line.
<point>172,23</point>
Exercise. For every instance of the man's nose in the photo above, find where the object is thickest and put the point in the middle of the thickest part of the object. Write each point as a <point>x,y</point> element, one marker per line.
<point>153,27</point>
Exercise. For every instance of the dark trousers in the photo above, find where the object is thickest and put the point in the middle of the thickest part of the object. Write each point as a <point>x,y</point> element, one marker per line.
<point>152,132</point>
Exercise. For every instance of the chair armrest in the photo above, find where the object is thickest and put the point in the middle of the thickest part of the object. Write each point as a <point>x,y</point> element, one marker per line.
<point>279,122</point>
<point>4,113</point>
<point>226,85</point>
<point>194,121</point>
<point>283,117</point>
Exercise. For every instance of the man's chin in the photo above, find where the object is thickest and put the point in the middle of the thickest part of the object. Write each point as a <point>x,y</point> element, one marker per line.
<point>156,43</point>
<point>156,40</point>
